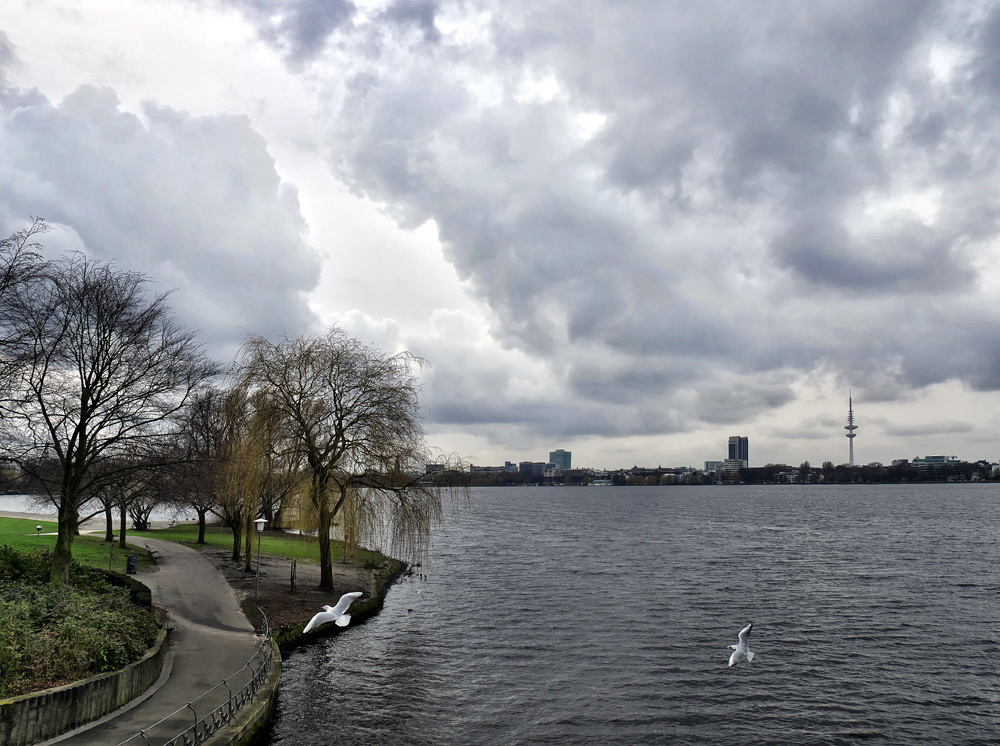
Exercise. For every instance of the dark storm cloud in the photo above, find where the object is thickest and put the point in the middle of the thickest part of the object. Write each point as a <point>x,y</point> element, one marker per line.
<point>931,428</point>
<point>298,29</point>
<point>418,13</point>
<point>986,63</point>
<point>740,402</point>
<point>193,202</point>
<point>903,256</point>
<point>696,204</point>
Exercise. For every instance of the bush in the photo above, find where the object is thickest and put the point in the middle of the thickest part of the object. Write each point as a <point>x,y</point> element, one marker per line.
<point>51,635</point>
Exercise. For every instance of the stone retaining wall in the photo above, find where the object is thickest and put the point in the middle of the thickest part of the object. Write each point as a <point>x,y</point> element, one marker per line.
<point>36,717</point>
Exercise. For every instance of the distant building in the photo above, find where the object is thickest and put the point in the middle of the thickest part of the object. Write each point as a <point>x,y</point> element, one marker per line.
<point>932,466</point>
<point>561,459</point>
<point>729,469</point>
<point>739,449</point>
<point>711,466</point>
<point>533,469</point>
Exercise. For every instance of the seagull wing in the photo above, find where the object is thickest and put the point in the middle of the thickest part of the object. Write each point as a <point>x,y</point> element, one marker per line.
<point>346,600</point>
<point>322,618</point>
<point>745,634</point>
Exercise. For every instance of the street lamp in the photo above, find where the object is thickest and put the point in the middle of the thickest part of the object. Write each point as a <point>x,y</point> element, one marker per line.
<point>259,523</point>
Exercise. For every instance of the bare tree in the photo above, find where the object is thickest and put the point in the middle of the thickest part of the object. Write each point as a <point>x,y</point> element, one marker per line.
<point>194,481</point>
<point>101,369</point>
<point>351,414</point>
<point>21,264</point>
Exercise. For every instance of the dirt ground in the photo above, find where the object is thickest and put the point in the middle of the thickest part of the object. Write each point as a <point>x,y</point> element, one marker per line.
<point>283,606</point>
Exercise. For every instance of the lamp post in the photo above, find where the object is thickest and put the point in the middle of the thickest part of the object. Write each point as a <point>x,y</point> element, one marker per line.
<point>259,523</point>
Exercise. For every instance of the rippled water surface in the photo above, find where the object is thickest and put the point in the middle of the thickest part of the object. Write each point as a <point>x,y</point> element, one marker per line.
<point>602,615</point>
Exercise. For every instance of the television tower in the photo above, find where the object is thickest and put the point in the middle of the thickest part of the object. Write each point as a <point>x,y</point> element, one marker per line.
<point>850,427</point>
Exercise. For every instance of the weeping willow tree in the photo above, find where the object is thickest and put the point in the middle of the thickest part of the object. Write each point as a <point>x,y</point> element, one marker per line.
<point>242,467</point>
<point>351,415</point>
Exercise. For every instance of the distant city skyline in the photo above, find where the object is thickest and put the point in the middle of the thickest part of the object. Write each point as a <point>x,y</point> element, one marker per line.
<point>737,450</point>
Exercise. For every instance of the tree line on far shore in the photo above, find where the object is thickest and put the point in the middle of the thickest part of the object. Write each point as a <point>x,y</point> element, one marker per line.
<point>108,404</point>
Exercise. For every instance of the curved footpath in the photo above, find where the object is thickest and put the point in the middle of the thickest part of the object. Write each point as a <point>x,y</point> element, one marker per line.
<point>211,640</point>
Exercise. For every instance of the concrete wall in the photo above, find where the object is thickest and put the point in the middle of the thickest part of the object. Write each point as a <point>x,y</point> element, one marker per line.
<point>36,717</point>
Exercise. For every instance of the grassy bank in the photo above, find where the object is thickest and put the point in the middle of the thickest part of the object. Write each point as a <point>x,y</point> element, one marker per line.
<point>288,611</point>
<point>88,550</point>
<point>274,543</point>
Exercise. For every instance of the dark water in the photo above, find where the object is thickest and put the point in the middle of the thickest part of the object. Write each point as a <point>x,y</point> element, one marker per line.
<point>602,615</point>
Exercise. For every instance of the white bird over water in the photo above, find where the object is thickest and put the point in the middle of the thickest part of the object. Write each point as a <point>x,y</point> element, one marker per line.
<point>741,650</point>
<point>334,613</point>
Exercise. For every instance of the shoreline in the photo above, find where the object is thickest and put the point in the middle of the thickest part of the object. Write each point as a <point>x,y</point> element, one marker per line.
<point>289,611</point>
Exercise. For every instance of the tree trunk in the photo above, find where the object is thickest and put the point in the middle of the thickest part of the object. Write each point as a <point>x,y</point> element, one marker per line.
<point>248,547</point>
<point>123,518</point>
<point>109,524</point>
<point>325,555</point>
<point>237,539</point>
<point>201,524</point>
<point>62,554</point>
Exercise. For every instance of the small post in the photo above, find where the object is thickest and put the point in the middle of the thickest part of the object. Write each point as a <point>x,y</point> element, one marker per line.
<point>259,523</point>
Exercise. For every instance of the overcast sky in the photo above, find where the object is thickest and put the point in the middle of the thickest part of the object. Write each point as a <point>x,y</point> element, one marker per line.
<point>625,229</point>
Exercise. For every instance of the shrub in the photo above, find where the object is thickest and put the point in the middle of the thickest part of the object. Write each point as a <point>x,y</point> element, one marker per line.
<point>50,635</point>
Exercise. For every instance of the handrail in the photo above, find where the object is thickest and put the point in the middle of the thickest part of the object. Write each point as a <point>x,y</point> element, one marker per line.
<point>221,709</point>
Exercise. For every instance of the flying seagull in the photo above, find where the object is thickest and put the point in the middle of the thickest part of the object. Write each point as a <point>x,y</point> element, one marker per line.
<point>741,650</point>
<point>334,613</point>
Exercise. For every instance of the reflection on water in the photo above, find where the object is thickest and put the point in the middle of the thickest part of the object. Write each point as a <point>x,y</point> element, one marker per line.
<point>598,615</point>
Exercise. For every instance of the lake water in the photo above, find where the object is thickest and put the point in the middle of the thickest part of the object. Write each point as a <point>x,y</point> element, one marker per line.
<point>602,615</point>
<point>40,505</point>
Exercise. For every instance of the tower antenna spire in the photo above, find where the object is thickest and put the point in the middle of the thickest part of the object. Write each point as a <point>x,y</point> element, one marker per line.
<point>850,427</point>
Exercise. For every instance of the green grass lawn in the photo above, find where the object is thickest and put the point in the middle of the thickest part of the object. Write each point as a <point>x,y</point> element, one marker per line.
<point>290,546</point>
<point>92,550</point>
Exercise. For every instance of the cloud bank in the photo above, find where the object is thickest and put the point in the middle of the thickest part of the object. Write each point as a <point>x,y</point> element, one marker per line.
<point>692,208</point>
<point>193,202</point>
<point>670,218</point>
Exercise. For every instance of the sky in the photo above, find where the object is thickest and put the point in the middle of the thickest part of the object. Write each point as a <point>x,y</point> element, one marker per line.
<point>624,229</point>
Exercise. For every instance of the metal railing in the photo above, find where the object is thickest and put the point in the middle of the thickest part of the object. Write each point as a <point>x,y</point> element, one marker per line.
<point>220,704</point>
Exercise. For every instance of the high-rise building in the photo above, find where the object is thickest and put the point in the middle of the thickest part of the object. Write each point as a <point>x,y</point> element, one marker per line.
<point>561,459</point>
<point>739,449</point>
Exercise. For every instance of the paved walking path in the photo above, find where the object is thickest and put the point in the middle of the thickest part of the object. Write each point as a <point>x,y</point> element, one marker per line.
<point>211,640</point>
